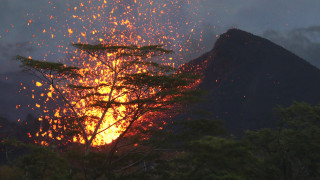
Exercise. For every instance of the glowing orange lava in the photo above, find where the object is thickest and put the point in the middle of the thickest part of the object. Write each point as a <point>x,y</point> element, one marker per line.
<point>117,22</point>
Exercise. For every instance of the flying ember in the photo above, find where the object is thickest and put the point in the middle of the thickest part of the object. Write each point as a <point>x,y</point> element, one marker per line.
<point>109,23</point>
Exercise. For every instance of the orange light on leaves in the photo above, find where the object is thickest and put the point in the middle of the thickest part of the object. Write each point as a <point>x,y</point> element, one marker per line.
<point>111,22</point>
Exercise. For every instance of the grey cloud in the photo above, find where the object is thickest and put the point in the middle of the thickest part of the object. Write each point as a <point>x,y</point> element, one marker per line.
<point>257,16</point>
<point>276,14</point>
<point>305,42</point>
<point>8,51</point>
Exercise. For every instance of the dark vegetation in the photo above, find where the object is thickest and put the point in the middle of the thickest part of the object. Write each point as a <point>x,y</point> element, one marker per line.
<point>247,80</point>
<point>199,150</point>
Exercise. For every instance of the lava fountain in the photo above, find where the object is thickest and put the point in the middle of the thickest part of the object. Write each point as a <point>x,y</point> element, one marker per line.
<point>106,22</point>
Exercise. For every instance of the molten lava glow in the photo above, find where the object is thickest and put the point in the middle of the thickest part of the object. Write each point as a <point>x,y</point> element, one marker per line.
<point>111,22</point>
<point>109,132</point>
<point>39,84</point>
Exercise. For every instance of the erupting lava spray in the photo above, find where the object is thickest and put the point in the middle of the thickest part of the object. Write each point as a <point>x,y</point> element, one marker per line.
<point>111,22</point>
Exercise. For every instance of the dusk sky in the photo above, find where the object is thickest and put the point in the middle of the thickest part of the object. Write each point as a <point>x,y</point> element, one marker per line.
<point>255,16</point>
<point>159,89</point>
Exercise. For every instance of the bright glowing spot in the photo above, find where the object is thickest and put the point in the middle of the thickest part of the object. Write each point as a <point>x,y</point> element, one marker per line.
<point>70,31</point>
<point>38,84</point>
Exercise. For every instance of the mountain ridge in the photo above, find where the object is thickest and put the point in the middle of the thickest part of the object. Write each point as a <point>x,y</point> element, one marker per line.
<point>247,76</point>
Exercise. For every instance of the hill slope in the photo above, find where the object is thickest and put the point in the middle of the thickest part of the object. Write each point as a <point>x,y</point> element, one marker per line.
<point>246,76</point>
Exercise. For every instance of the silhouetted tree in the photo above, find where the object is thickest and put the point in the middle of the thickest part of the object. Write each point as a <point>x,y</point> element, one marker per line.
<point>147,87</point>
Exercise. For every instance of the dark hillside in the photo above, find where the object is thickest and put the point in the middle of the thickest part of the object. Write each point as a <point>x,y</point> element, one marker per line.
<point>246,76</point>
